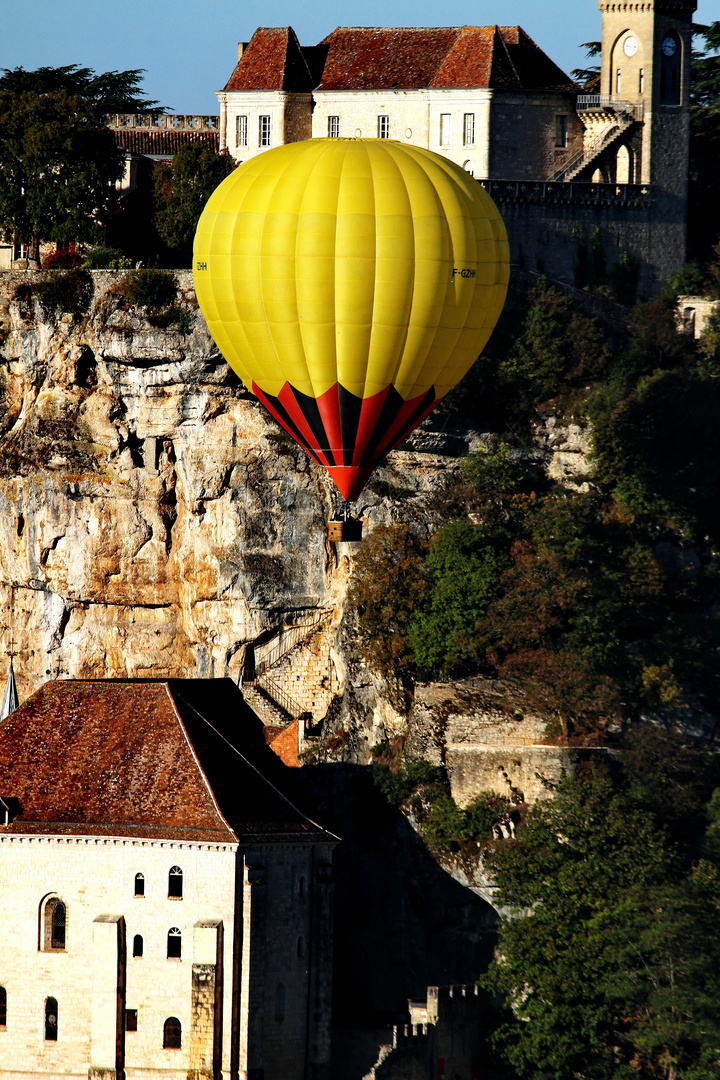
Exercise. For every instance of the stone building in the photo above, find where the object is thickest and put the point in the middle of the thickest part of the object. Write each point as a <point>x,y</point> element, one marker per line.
<point>565,168</point>
<point>167,912</point>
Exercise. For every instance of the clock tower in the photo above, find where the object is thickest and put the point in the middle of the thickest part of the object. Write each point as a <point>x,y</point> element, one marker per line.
<point>646,62</point>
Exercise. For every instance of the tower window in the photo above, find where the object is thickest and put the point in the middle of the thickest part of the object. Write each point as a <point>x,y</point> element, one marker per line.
<point>172,1034</point>
<point>264,131</point>
<point>383,127</point>
<point>137,945</point>
<point>3,1007</point>
<point>241,130</point>
<point>175,883</point>
<point>51,1020</point>
<point>174,943</point>
<point>469,129</point>
<point>333,127</point>
<point>139,884</point>
<point>561,131</point>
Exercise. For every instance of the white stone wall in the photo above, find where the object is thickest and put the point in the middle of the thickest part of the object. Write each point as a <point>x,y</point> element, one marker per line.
<point>96,877</point>
<point>285,111</point>
<point>414,117</point>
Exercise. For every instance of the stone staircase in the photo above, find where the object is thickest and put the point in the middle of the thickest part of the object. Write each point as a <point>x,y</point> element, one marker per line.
<point>606,123</point>
<point>296,674</point>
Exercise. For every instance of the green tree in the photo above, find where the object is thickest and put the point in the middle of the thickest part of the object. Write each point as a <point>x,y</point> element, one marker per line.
<point>465,571</point>
<point>608,957</point>
<point>389,583</point>
<point>589,77</point>
<point>703,208</point>
<point>58,162</point>
<point>111,92</point>
<point>556,350</point>
<point>181,191</point>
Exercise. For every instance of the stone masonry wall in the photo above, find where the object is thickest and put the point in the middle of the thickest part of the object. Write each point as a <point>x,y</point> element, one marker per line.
<point>95,877</point>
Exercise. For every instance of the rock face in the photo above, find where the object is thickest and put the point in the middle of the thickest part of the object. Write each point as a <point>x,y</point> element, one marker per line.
<point>154,519</point>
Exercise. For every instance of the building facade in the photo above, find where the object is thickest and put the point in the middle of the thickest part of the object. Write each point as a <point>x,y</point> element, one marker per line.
<point>565,168</point>
<point>168,913</point>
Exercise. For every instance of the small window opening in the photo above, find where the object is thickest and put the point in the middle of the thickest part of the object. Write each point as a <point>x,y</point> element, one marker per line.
<point>300,947</point>
<point>54,928</point>
<point>618,81</point>
<point>561,129</point>
<point>131,1019</point>
<point>3,1007</point>
<point>333,127</point>
<point>137,945</point>
<point>139,884</point>
<point>175,883</point>
<point>301,888</point>
<point>383,127</point>
<point>641,81</point>
<point>172,1034</point>
<point>51,1019</point>
<point>174,943</point>
<point>469,129</point>
<point>445,121</point>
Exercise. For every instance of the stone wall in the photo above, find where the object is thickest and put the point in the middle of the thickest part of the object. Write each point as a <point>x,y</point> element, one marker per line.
<point>95,878</point>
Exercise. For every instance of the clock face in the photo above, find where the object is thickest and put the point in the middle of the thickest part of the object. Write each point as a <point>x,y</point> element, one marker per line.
<point>669,46</point>
<point>630,46</point>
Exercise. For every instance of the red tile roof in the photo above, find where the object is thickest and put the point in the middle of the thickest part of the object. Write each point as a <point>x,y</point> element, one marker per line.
<point>180,759</point>
<point>404,58</point>
<point>285,744</point>
<point>413,58</point>
<point>273,60</point>
<point>162,143</point>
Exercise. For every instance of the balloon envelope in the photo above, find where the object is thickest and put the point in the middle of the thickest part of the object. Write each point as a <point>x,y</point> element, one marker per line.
<point>350,283</point>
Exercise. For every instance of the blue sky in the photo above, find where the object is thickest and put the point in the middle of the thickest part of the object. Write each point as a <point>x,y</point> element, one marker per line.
<point>188,47</point>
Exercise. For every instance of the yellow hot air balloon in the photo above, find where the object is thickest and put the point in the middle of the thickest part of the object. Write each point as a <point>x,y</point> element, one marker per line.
<point>350,283</point>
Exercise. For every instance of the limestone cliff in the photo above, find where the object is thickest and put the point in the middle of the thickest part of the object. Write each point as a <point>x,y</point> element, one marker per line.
<point>154,520</point>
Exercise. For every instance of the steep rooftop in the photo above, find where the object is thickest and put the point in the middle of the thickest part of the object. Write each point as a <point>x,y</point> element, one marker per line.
<point>182,759</point>
<point>273,60</point>
<point>409,58</point>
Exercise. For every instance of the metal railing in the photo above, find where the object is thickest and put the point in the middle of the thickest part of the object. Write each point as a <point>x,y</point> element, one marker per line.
<point>290,638</point>
<point>277,697</point>
<point>597,102</point>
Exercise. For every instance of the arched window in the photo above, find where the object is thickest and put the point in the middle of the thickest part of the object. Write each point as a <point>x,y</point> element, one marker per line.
<point>137,945</point>
<point>53,924</point>
<point>139,884</point>
<point>625,166</point>
<point>280,1003</point>
<point>175,883</point>
<point>51,1020</point>
<point>3,1007</point>
<point>172,1034</point>
<point>174,943</point>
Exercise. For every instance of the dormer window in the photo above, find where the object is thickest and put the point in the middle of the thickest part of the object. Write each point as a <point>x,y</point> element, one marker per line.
<point>9,809</point>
